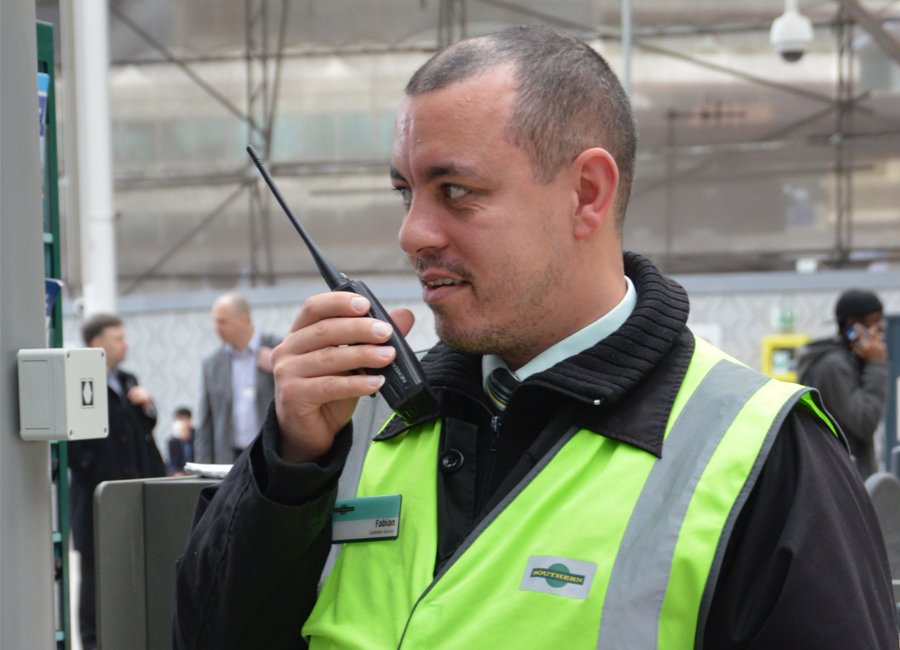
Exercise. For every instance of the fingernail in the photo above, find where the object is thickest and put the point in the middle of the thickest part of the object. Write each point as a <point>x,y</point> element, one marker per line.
<point>375,381</point>
<point>384,351</point>
<point>360,304</point>
<point>381,330</point>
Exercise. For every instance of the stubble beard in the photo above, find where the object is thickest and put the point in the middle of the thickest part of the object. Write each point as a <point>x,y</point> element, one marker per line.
<point>516,337</point>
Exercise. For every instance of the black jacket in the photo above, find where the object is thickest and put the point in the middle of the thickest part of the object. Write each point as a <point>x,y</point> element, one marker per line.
<point>805,566</point>
<point>180,452</point>
<point>129,451</point>
<point>854,391</point>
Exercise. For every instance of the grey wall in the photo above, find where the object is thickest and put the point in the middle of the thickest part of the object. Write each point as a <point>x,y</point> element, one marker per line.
<point>169,335</point>
<point>26,545</point>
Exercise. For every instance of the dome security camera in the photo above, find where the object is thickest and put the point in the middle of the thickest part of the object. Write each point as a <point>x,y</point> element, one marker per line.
<point>792,33</point>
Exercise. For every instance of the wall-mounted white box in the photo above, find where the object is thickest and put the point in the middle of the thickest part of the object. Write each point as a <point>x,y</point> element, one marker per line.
<point>62,394</point>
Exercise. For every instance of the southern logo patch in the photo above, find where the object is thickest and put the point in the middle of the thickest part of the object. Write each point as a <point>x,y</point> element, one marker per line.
<point>559,576</point>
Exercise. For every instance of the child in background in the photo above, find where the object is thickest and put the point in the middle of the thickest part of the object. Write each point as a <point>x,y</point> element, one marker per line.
<point>181,444</point>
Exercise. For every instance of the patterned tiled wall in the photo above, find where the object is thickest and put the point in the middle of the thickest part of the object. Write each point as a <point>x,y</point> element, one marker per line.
<point>745,318</point>
<point>166,347</point>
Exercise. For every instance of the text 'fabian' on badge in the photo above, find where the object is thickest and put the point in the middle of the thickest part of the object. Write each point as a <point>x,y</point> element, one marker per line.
<point>366,519</point>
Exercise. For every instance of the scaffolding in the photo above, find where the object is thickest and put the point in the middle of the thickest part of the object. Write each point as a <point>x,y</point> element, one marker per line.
<point>267,24</point>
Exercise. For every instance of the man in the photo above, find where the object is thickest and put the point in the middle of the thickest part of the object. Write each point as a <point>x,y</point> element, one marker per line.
<point>633,489</point>
<point>237,383</point>
<point>850,371</point>
<point>128,452</point>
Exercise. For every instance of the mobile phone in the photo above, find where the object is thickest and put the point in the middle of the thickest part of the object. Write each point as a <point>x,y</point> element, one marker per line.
<point>853,335</point>
<point>405,388</point>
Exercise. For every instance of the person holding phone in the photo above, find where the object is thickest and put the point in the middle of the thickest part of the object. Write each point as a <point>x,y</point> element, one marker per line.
<point>850,371</point>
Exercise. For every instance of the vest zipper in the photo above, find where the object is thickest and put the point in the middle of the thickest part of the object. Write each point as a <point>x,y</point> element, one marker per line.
<point>495,432</point>
<point>496,423</point>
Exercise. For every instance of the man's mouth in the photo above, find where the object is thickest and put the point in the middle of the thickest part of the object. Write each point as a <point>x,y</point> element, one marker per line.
<point>435,290</point>
<point>440,282</point>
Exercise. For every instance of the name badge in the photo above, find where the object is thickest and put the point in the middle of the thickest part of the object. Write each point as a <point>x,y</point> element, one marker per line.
<point>365,519</point>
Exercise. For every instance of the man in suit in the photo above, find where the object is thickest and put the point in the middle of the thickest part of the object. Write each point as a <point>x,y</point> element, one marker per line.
<point>238,385</point>
<point>128,452</point>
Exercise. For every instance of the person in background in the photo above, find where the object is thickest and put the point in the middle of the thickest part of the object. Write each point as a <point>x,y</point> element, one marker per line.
<point>128,452</point>
<point>850,371</point>
<point>181,444</point>
<point>238,385</point>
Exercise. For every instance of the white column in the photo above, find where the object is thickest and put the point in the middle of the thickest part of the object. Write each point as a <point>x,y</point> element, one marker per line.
<point>95,191</point>
<point>626,46</point>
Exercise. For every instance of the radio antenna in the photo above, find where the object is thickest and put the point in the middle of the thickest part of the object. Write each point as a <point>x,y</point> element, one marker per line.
<point>332,276</point>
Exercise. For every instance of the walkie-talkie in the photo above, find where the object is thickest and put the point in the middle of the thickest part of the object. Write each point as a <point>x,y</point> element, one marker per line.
<point>405,387</point>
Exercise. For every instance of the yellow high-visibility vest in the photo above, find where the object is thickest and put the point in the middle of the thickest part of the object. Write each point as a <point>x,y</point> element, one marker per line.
<point>602,545</point>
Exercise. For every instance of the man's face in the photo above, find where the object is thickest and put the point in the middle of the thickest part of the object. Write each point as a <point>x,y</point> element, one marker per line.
<point>112,340</point>
<point>488,241</point>
<point>875,323</point>
<point>229,326</point>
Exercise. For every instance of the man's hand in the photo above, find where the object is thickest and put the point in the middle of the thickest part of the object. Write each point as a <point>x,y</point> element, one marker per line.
<point>315,388</point>
<point>869,344</point>
<point>139,396</point>
<point>264,359</point>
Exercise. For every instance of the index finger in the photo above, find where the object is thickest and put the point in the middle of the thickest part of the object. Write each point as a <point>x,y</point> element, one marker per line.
<point>336,304</point>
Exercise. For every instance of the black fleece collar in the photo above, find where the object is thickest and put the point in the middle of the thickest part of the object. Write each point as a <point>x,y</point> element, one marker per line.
<point>607,374</point>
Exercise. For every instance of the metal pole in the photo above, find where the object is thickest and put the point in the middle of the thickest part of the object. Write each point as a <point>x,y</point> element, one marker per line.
<point>626,46</point>
<point>95,192</point>
<point>671,116</point>
<point>26,536</point>
<point>72,236</point>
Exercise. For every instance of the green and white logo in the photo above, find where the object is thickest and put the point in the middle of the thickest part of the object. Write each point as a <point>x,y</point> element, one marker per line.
<point>558,576</point>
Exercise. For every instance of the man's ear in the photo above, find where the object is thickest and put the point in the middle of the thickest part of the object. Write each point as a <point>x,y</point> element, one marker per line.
<point>596,177</point>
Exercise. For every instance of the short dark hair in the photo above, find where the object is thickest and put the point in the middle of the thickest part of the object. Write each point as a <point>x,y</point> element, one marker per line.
<point>94,326</point>
<point>183,412</point>
<point>568,100</point>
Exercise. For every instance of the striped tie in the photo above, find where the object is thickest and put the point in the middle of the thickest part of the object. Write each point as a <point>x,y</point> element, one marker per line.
<point>500,385</point>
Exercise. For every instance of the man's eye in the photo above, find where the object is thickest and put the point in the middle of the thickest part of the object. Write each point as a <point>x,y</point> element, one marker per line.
<point>455,192</point>
<point>405,195</point>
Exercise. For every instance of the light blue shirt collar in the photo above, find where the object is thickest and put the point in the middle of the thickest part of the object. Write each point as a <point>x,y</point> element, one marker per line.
<point>570,346</point>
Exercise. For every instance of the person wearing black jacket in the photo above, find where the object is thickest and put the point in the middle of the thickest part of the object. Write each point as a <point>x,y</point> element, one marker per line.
<point>850,371</point>
<point>128,452</point>
<point>513,155</point>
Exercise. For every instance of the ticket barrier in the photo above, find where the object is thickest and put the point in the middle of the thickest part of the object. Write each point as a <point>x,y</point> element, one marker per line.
<point>141,528</point>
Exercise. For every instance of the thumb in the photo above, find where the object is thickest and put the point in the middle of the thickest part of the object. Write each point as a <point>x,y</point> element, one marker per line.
<point>403,319</point>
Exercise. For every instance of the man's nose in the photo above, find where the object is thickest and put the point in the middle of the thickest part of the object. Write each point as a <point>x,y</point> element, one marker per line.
<point>422,230</point>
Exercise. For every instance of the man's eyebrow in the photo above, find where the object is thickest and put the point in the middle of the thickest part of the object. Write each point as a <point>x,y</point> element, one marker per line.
<point>450,169</point>
<point>437,171</point>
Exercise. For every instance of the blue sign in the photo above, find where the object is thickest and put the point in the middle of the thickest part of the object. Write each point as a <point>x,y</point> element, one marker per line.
<point>43,91</point>
<point>52,289</point>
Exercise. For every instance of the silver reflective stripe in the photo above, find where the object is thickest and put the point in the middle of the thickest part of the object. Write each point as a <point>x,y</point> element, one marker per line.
<point>640,574</point>
<point>749,484</point>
